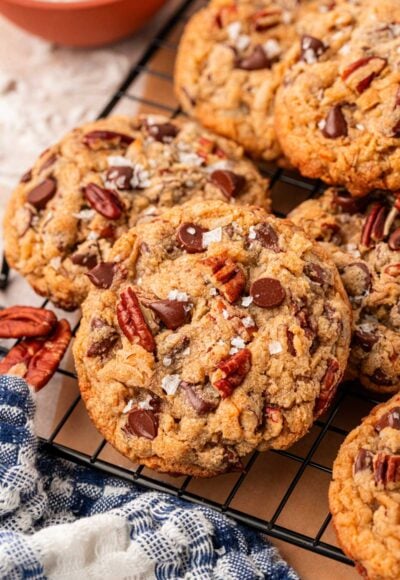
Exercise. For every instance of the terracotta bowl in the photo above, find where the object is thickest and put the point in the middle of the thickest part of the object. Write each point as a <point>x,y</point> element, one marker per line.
<point>80,23</point>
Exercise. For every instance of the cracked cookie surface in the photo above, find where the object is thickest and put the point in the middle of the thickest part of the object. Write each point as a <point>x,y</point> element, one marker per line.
<point>338,108</point>
<point>216,330</point>
<point>364,495</point>
<point>87,190</point>
<point>362,235</point>
<point>229,66</point>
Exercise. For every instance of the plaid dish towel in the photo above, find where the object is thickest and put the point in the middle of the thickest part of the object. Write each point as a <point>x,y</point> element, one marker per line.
<point>62,521</point>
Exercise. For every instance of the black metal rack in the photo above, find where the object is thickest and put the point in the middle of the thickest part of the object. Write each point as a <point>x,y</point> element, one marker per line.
<point>300,189</point>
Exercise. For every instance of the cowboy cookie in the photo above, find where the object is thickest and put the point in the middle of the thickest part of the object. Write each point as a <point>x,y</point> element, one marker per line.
<point>362,235</point>
<point>338,108</point>
<point>229,66</point>
<point>364,494</point>
<point>87,190</point>
<point>213,330</point>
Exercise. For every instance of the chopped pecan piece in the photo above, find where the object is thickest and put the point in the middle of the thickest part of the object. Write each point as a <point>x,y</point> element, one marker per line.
<point>103,139</point>
<point>132,321</point>
<point>19,321</point>
<point>373,225</point>
<point>234,370</point>
<point>387,469</point>
<point>362,72</point>
<point>328,388</point>
<point>36,360</point>
<point>228,276</point>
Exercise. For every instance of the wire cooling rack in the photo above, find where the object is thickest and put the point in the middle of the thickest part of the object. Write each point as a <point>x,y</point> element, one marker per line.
<point>274,481</point>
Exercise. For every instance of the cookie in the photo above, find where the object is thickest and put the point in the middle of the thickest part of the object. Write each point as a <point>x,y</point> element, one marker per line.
<point>338,109</point>
<point>229,66</point>
<point>362,235</point>
<point>364,494</point>
<point>214,330</point>
<point>87,190</point>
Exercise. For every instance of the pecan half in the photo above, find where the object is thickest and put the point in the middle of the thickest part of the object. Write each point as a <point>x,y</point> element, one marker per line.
<point>19,321</point>
<point>373,225</point>
<point>104,201</point>
<point>266,19</point>
<point>132,322</point>
<point>328,388</point>
<point>386,469</point>
<point>392,270</point>
<point>36,360</point>
<point>234,370</point>
<point>102,139</point>
<point>227,276</point>
<point>362,72</point>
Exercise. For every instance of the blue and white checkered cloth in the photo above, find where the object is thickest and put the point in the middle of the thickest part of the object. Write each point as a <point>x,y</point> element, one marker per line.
<point>62,521</point>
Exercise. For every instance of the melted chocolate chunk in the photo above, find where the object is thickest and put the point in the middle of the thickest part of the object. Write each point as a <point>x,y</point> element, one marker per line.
<point>267,292</point>
<point>190,238</point>
<point>103,345</point>
<point>102,275</point>
<point>173,313</point>
<point>254,61</point>
<point>268,237</point>
<point>335,123</point>
<point>120,177</point>
<point>231,184</point>
<point>365,340</point>
<point>316,274</point>
<point>87,260</point>
<point>195,396</point>
<point>164,132</point>
<point>40,195</point>
<point>143,423</point>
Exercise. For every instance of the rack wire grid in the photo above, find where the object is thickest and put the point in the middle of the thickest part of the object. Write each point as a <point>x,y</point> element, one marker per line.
<point>275,481</point>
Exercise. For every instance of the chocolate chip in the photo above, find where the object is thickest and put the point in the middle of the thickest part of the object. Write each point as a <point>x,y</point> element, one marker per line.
<point>316,274</point>
<point>230,183</point>
<point>143,423</point>
<point>255,61</point>
<point>27,176</point>
<point>87,260</point>
<point>394,240</point>
<point>164,132</point>
<point>380,378</point>
<point>365,340</point>
<point>40,195</point>
<point>347,203</point>
<point>267,292</point>
<point>268,237</point>
<point>194,394</point>
<point>311,48</point>
<point>390,419</point>
<point>363,461</point>
<point>173,313</point>
<point>356,278</point>
<point>102,275</point>
<point>104,345</point>
<point>120,177</point>
<point>335,124</point>
<point>190,237</point>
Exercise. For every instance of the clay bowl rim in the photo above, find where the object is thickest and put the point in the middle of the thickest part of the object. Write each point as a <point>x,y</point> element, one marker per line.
<point>69,4</point>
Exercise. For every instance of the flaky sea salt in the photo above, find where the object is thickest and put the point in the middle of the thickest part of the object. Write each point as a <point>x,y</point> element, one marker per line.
<point>178,295</point>
<point>92,236</point>
<point>237,343</point>
<point>85,214</point>
<point>170,384</point>
<point>225,314</point>
<point>55,262</point>
<point>234,29</point>
<point>248,322</point>
<point>190,158</point>
<point>167,361</point>
<point>275,347</point>
<point>212,236</point>
<point>272,48</point>
<point>246,301</point>
<point>213,292</point>
<point>128,406</point>
<point>119,161</point>
<point>252,233</point>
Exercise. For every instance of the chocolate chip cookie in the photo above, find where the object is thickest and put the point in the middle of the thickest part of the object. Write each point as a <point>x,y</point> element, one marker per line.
<point>362,235</point>
<point>87,190</point>
<point>338,109</point>
<point>212,331</point>
<point>229,66</point>
<point>364,494</point>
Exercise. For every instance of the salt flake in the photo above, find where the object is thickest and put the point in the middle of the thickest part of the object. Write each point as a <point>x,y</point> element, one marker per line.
<point>275,347</point>
<point>170,384</point>
<point>212,236</point>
